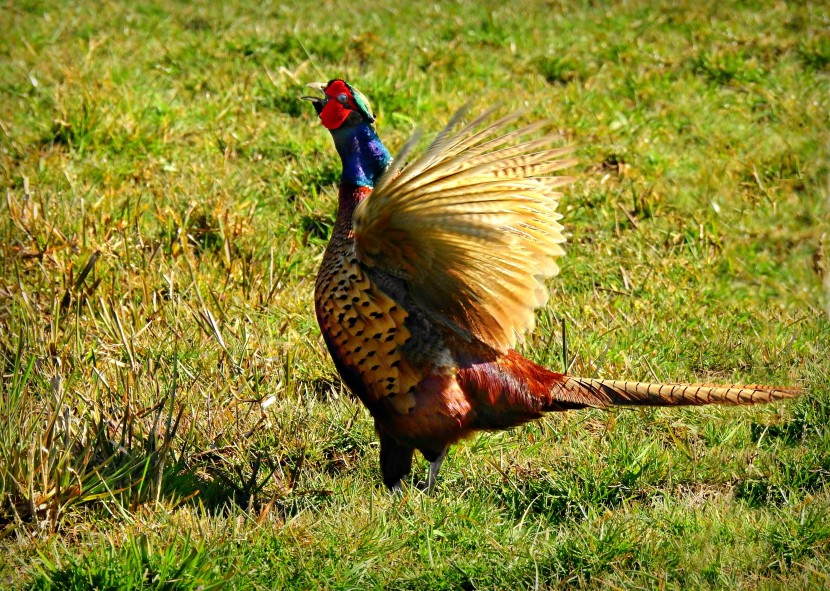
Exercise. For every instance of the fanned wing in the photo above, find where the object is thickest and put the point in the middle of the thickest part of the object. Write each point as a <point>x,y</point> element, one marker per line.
<point>471,225</point>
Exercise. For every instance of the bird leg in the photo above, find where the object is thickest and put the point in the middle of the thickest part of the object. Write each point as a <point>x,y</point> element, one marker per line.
<point>435,462</point>
<point>395,461</point>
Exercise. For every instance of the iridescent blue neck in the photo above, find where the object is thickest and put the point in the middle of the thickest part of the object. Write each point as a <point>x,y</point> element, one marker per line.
<point>363,155</point>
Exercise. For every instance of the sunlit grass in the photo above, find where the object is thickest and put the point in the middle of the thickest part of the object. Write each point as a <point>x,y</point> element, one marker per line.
<point>169,416</point>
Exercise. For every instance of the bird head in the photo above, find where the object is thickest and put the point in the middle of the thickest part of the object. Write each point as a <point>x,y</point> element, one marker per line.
<point>341,105</point>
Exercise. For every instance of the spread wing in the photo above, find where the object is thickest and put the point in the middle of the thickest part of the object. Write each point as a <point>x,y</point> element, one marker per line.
<point>471,225</point>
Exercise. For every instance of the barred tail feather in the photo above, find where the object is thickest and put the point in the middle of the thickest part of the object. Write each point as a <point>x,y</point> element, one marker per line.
<point>621,393</point>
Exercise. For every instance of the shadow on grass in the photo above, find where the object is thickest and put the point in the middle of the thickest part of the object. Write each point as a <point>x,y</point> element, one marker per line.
<point>569,493</point>
<point>798,464</point>
<point>786,479</point>
<point>60,451</point>
<point>252,481</point>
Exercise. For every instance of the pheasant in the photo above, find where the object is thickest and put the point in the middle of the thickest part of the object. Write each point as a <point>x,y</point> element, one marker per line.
<point>433,272</point>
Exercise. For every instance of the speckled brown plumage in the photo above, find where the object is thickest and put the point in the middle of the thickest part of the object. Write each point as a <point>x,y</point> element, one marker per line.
<point>433,272</point>
<point>364,326</point>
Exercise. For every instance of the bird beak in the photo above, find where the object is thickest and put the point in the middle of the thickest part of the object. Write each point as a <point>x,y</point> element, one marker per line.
<point>318,102</point>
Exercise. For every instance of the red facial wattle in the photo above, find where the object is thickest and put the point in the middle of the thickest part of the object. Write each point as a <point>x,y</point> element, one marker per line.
<point>335,112</point>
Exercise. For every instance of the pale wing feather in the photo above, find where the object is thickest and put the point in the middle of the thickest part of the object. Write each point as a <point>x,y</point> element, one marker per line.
<point>448,144</point>
<point>441,141</point>
<point>479,168</point>
<point>471,225</point>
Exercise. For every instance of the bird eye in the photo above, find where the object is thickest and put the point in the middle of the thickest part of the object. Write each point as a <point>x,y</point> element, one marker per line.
<point>343,98</point>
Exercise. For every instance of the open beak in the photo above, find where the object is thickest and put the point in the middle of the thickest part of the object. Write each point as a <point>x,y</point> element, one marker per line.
<point>318,102</point>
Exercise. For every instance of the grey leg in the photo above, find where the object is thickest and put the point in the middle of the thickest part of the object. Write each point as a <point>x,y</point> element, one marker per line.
<point>434,467</point>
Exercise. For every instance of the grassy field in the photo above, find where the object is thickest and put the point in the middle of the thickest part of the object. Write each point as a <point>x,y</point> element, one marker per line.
<point>169,416</point>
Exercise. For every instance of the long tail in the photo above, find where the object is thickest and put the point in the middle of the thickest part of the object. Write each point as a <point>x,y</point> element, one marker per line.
<point>595,392</point>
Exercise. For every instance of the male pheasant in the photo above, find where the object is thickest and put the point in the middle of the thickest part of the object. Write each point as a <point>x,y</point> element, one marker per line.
<point>434,270</point>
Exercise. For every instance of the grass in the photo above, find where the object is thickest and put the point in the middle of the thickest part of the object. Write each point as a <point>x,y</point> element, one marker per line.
<point>170,419</point>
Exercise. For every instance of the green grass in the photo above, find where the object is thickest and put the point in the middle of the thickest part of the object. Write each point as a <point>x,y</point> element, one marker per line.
<point>169,417</point>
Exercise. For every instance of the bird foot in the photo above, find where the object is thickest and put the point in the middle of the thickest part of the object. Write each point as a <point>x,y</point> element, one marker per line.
<point>397,489</point>
<point>424,486</point>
